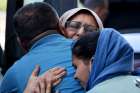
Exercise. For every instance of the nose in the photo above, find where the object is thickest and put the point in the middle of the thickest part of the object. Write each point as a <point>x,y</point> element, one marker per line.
<point>75,76</point>
<point>80,31</point>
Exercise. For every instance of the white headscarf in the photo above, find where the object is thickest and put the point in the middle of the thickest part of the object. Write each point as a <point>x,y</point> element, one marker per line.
<point>68,14</point>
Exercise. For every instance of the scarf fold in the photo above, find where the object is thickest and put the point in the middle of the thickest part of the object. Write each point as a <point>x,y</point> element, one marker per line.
<point>113,57</point>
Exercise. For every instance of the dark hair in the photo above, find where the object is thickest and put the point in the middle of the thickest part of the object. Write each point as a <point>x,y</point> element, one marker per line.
<point>85,47</point>
<point>34,19</point>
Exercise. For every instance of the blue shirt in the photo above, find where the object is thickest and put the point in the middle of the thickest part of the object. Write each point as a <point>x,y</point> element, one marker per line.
<point>50,51</point>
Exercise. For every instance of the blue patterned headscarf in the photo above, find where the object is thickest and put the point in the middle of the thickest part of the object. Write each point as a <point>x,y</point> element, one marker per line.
<point>113,57</point>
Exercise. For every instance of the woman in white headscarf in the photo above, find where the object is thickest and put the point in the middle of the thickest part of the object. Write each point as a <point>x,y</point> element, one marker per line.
<point>77,21</point>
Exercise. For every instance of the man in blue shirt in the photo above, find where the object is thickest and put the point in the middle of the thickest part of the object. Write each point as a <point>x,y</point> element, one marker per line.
<point>37,27</point>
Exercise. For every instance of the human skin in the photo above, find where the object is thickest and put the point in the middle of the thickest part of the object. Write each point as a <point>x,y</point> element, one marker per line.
<point>83,68</point>
<point>84,19</point>
<point>44,83</point>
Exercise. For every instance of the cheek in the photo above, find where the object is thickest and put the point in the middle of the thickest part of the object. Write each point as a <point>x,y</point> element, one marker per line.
<point>86,74</point>
<point>69,33</point>
<point>83,74</point>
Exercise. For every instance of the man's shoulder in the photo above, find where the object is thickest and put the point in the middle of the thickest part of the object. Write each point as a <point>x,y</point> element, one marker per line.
<point>16,77</point>
<point>51,41</point>
<point>60,37</point>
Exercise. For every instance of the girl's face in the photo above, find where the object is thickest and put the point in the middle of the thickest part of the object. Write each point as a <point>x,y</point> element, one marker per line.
<point>83,68</point>
<point>80,24</point>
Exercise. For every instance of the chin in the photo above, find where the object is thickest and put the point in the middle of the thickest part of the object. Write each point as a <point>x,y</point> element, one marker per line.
<point>83,85</point>
<point>75,38</point>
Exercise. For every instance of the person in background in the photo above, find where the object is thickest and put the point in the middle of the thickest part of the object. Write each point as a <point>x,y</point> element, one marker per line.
<point>101,7</point>
<point>37,25</point>
<point>60,5</point>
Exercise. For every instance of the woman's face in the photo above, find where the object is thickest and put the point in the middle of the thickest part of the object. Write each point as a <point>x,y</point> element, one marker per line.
<point>80,24</point>
<point>82,70</point>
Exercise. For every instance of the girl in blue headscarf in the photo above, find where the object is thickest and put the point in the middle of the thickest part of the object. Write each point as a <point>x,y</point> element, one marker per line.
<point>102,58</point>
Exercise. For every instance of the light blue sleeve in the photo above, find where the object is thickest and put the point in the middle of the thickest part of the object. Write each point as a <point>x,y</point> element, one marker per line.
<point>8,84</point>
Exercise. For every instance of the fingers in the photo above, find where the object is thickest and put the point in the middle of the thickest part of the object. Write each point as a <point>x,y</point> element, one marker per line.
<point>55,74</point>
<point>54,69</point>
<point>32,87</point>
<point>36,89</point>
<point>58,71</point>
<point>35,85</point>
<point>57,79</point>
<point>48,89</point>
<point>52,77</point>
<point>60,75</point>
<point>42,85</point>
<point>57,82</point>
<point>36,71</point>
<point>33,82</point>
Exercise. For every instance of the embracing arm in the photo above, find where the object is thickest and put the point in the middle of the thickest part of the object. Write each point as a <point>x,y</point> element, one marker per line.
<point>44,83</point>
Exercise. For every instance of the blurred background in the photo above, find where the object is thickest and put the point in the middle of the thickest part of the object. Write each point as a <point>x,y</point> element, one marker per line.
<point>123,15</point>
<point>3,5</point>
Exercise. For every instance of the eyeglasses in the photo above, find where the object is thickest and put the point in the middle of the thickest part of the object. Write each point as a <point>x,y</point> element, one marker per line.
<point>75,26</point>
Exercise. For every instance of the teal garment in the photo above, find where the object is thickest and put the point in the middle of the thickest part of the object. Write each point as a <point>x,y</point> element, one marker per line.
<point>120,84</point>
<point>50,51</point>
